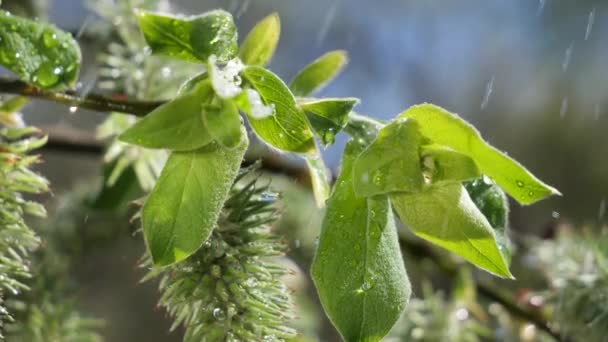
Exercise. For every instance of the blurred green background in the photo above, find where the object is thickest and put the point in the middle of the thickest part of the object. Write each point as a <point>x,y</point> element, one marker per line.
<point>531,75</point>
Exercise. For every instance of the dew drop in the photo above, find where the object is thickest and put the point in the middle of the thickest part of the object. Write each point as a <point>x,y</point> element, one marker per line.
<point>49,39</point>
<point>219,314</point>
<point>520,184</point>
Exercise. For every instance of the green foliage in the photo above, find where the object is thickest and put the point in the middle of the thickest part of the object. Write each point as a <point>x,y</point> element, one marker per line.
<point>287,128</point>
<point>38,53</point>
<point>358,269</point>
<point>445,128</point>
<point>192,39</point>
<point>182,209</point>
<point>259,45</point>
<point>231,288</point>
<point>319,73</point>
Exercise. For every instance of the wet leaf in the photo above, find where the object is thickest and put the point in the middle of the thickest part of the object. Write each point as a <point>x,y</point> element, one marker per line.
<point>319,177</point>
<point>391,162</point>
<point>178,125</point>
<point>38,53</point>
<point>445,128</point>
<point>259,45</point>
<point>358,268</point>
<point>446,216</point>
<point>193,38</point>
<point>445,165</point>
<point>328,116</point>
<point>183,208</point>
<point>286,128</point>
<point>317,74</point>
<point>493,204</point>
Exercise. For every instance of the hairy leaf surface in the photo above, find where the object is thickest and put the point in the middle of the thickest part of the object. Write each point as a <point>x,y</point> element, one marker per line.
<point>38,53</point>
<point>446,216</point>
<point>445,128</point>
<point>358,268</point>
<point>259,45</point>
<point>183,208</point>
<point>286,128</point>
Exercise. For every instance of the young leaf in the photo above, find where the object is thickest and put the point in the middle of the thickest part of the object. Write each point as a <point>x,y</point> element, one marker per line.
<point>259,45</point>
<point>445,128</point>
<point>318,73</point>
<point>493,204</point>
<point>223,122</point>
<point>391,162</point>
<point>358,268</point>
<point>328,116</point>
<point>319,177</point>
<point>192,39</point>
<point>38,53</point>
<point>178,125</point>
<point>446,216</point>
<point>183,208</point>
<point>445,165</point>
<point>286,128</point>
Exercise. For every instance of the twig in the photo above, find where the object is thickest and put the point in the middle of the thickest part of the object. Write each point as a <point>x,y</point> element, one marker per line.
<point>141,108</point>
<point>71,98</point>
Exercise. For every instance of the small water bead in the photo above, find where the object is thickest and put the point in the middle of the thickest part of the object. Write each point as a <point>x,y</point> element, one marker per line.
<point>219,314</point>
<point>49,39</point>
<point>520,184</point>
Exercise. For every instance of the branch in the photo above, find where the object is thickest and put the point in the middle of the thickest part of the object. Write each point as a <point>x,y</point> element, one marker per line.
<point>274,164</point>
<point>71,98</point>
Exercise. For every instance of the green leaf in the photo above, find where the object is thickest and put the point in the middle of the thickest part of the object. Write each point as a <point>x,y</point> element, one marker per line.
<point>183,208</point>
<point>493,204</point>
<point>446,216</point>
<point>319,177</point>
<point>286,128</point>
<point>223,122</point>
<point>358,268</point>
<point>445,128</point>
<point>259,45</point>
<point>192,39</point>
<point>328,116</point>
<point>178,125</point>
<point>319,73</point>
<point>38,53</point>
<point>444,165</point>
<point>391,162</point>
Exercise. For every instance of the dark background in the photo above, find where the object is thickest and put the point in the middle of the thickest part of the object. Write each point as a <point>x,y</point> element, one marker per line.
<point>532,76</point>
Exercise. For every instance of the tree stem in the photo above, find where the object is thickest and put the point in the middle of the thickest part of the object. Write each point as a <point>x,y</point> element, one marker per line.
<point>71,98</point>
<point>141,108</point>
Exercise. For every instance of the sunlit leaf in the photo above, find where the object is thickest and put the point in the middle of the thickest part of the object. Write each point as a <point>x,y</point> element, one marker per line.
<point>177,125</point>
<point>286,128</point>
<point>193,38</point>
<point>259,45</point>
<point>328,116</point>
<point>358,268</point>
<point>183,208</point>
<point>493,203</point>
<point>446,216</point>
<point>391,162</point>
<point>318,73</point>
<point>319,177</point>
<point>445,165</point>
<point>445,128</point>
<point>39,53</point>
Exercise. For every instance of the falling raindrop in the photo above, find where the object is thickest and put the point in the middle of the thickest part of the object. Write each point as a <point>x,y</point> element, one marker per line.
<point>84,26</point>
<point>488,93</point>
<point>327,21</point>
<point>564,108</point>
<point>462,314</point>
<point>596,112</point>
<point>555,215</point>
<point>590,22</point>
<point>602,211</point>
<point>567,57</point>
<point>243,8</point>
<point>541,7</point>
<point>73,109</point>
